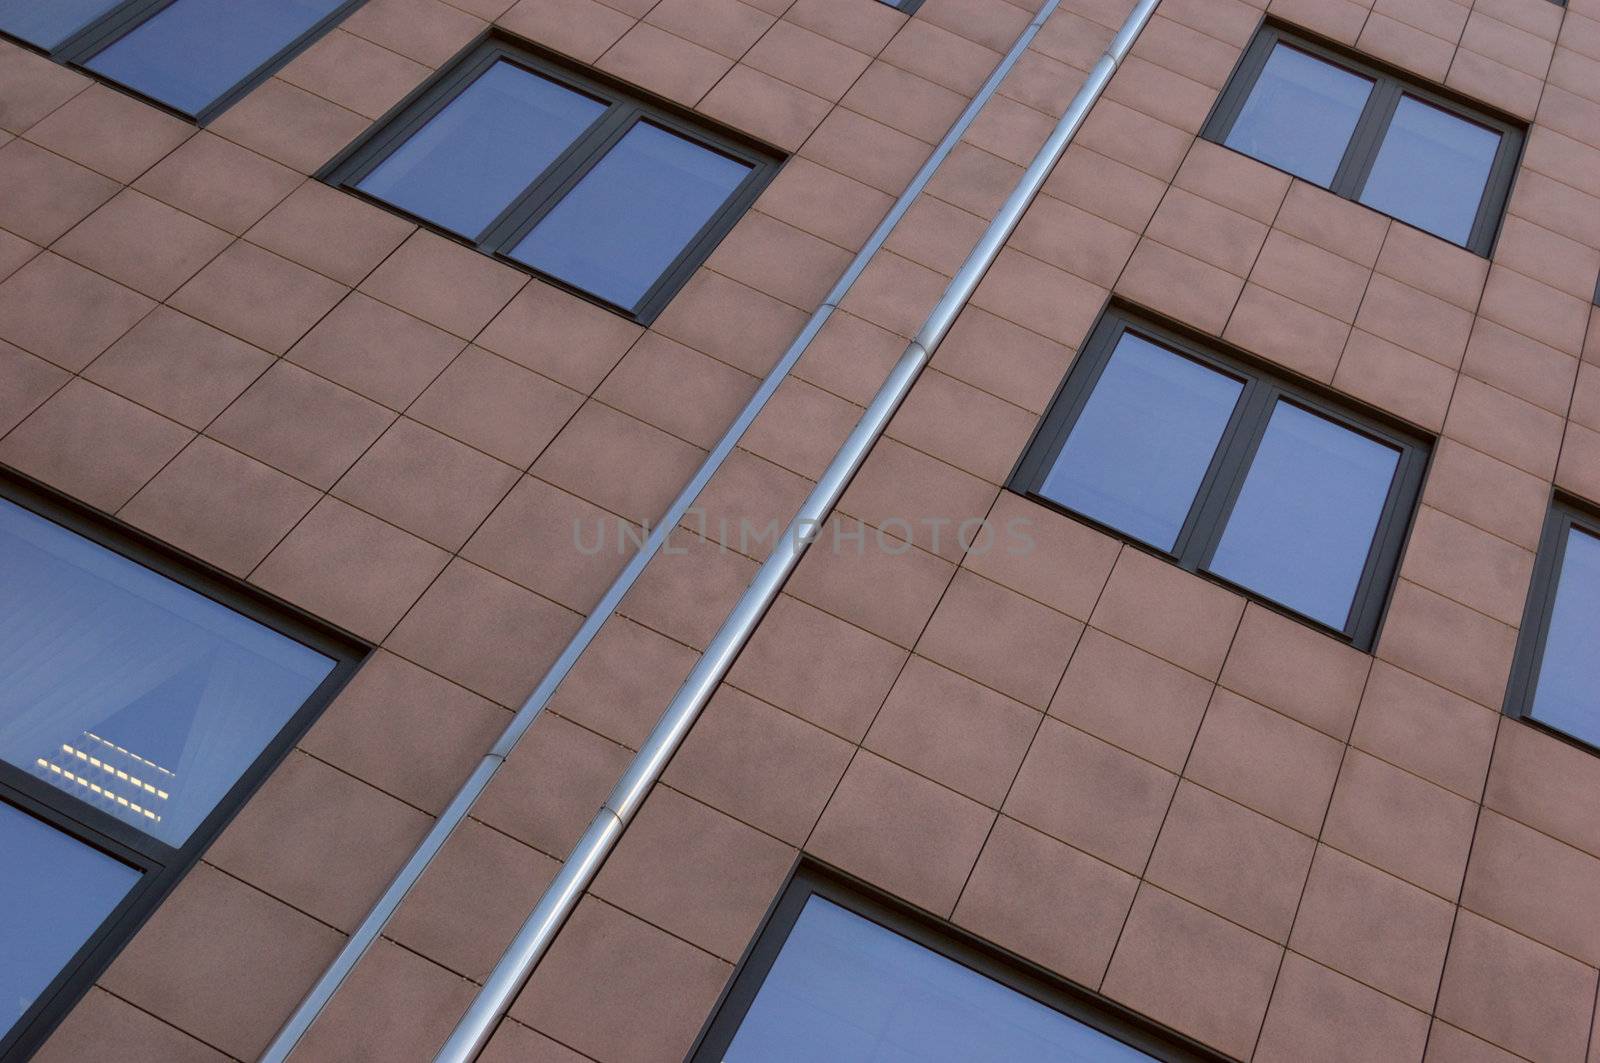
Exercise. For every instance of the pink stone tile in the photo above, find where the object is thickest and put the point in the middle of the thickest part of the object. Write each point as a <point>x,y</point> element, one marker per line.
<point>1448,644</point>
<point>1296,670</point>
<point>621,683</point>
<point>1000,638</point>
<point>677,389</point>
<point>1470,566</point>
<point>1180,286</point>
<point>1400,823</point>
<point>110,132</point>
<point>1194,971</point>
<point>484,632</point>
<point>1486,492</point>
<point>1426,730</point>
<point>583,29</point>
<point>1027,376</point>
<point>664,64</point>
<point>1319,1015</point>
<point>220,506</point>
<point>500,408</point>
<point>444,284</point>
<point>808,60</point>
<point>1171,613</point>
<point>1546,783</point>
<point>901,832</point>
<point>760,104</point>
<point>425,998</point>
<point>94,445</point>
<point>319,840</point>
<point>302,424</point>
<point>178,367</point>
<point>102,1025</point>
<point>890,595</point>
<point>618,462</point>
<point>1265,761</point>
<point>1515,992</point>
<point>65,314</point>
<point>917,499</point>
<point>143,243</point>
<point>32,86</point>
<point>944,726</point>
<point>1319,217</point>
<point>259,297</point>
<point>1231,861</point>
<point>219,182</point>
<point>406,731</point>
<point>375,350</point>
<point>760,765</point>
<point>1535,885</point>
<point>1373,927</point>
<point>350,568</point>
<point>428,31</point>
<point>552,785</point>
<point>289,125</point>
<point>1091,795</point>
<point>354,73</point>
<point>330,231</point>
<point>695,873</point>
<point>841,698</point>
<point>565,338</point>
<point>46,194</point>
<point>28,381</point>
<point>1023,883</point>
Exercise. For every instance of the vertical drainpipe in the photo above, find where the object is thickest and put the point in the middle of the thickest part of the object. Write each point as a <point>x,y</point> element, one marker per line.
<point>472,1033</point>
<point>372,925</point>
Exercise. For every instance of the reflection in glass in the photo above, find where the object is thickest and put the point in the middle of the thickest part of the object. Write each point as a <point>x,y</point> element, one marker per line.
<point>847,990</point>
<point>485,147</point>
<point>632,215</point>
<point>1137,453</point>
<point>1567,696</point>
<point>1300,114</point>
<point>194,51</point>
<point>54,893</point>
<point>46,23</point>
<point>128,691</point>
<point>1303,524</point>
<point>1431,169</point>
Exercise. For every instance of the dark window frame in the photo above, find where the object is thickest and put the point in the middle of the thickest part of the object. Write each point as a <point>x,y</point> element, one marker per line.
<point>1389,85</point>
<point>905,7</point>
<point>626,105</point>
<point>809,877</point>
<point>1566,512</point>
<point>162,865</point>
<point>77,50</point>
<point>1214,500</point>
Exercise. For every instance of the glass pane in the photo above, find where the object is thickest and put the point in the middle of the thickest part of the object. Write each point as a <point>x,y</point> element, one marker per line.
<point>1141,446</point>
<point>1567,696</point>
<point>196,50</point>
<point>847,990</point>
<point>1300,114</point>
<point>54,893</point>
<point>621,227</point>
<point>475,156</point>
<point>1431,169</point>
<point>127,690</point>
<point>1302,527</point>
<point>46,23</point>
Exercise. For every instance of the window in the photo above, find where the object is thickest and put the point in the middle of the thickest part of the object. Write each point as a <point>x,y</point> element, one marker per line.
<point>562,173</point>
<point>841,974</point>
<point>1555,680</point>
<point>193,56</point>
<point>1229,471</point>
<point>143,701</point>
<point>1369,136</point>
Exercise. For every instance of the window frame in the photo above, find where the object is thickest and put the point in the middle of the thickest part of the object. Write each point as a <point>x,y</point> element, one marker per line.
<point>1219,489</point>
<point>625,105</point>
<point>1566,512</point>
<point>809,877</point>
<point>77,50</point>
<point>1361,152</point>
<point>161,865</point>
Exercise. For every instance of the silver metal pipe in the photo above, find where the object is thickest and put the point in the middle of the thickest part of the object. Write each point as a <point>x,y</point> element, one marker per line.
<point>288,1037</point>
<point>511,973</point>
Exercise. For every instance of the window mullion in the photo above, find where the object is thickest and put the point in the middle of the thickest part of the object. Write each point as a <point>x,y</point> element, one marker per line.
<point>547,189</point>
<point>1228,467</point>
<point>1362,150</point>
<point>82,45</point>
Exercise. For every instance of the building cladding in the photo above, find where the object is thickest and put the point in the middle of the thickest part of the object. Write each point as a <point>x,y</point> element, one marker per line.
<point>400,423</point>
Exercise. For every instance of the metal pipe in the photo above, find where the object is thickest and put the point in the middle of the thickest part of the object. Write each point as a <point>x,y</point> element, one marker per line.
<point>472,1033</point>
<point>288,1037</point>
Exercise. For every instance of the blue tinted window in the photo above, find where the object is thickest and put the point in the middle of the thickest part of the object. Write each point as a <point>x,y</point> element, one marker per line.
<point>46,23</point>
<point>488,144</point>
<point>129,691</point>
<point>1432,169</point>
<point>194,51</point>
<point>1137,453</point>
<point>54,892</point>
<point>847,990</point>
<point>616,232</point>
<point>1567,696</point>
<point>1303,524</point>
<point>1300,114</point>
